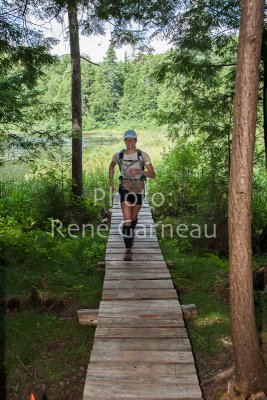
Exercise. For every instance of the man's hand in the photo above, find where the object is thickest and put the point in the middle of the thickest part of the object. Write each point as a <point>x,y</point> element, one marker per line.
<point>135,172</point>
<point>111,188</point>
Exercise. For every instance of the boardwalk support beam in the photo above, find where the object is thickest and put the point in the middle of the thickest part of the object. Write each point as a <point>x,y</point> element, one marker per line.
<point>87,317</point>
<point>189,311</point>
<point>90,316</point>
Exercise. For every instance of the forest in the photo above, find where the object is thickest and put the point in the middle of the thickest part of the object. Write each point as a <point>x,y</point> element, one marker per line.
<point>182,105</point>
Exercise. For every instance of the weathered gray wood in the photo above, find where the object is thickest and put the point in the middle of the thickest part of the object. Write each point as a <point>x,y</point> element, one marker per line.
<point>145,224</point>
<point>101,265</point>
<point>141,220</point>
<point>189,311</point>
<point>140,233</point>
<point>117,207</point>
<point>138,284</point>
<point>140,227</point>
<point>135,294</point>
<point>135,257</point>
<point>143,375</point>
<point>139,308</point>
<point>119,238</point>
<point>143,321</point>
<point>136,274</point>
<point>142,214</point>
<point>146,265</point>
<point>118,250</point>
<point>137,245</point>
<point>87,316</point>
<point>146,344</point>
<point>141,348</point>
<point>105,390</point>
<point>133,356</point>
<point>136,332</point>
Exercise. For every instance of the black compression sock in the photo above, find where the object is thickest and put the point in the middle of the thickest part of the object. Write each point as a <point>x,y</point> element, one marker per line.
<point>127,235</point>
<point>134,223</point>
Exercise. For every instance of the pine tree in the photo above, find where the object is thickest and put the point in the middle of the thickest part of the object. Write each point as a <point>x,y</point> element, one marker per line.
<point>106,90</point>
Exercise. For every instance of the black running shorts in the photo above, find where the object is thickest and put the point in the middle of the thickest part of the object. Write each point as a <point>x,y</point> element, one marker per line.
<point>134,198</point>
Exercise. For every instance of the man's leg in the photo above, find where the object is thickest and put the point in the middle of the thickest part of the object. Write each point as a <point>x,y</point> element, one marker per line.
<point>127,229</point>
<point>134,216</point>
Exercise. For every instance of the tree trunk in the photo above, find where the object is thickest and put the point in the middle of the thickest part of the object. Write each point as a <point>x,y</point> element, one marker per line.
<point>264,98</point>
<point>250,369</point>
<point>76,101</point>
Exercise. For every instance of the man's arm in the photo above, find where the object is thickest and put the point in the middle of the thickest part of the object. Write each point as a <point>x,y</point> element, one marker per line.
<point>150,173</point>
<point>111,174</point>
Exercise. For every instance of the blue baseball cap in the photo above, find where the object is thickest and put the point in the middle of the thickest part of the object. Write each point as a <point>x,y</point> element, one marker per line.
<point>130,134</point>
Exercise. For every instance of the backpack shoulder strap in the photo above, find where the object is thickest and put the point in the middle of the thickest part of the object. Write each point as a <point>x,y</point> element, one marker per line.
<point>121,154</point>
<point>140,158</point>
<point>121,157</point>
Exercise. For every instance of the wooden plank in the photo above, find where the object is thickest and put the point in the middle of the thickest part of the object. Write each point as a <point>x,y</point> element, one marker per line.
<point>139,230</point>
<point>96,378</point>
<point>139,308</point>
<point>141,348</point>
<point>141,224</point>
<point>117,206</point>
<point>135,356</point>
<point>138,284</point>
<point>140,313</point>
<point>146,238</point>
<point>88,316</point>
<point>145,344</point>
<point>122,390</point>
<point>147,265</point>
<point>136,274</point>
<point>136,332</point>
<point>135,264</point>
<point>145,322</point>
<point>152,294</point>
<point>143,220</point>
<point>136,257</point>
<point>140,233</point>
<point>137,245</point>
<point>146,224</point>
<point>142,216</point>
<point>146,303</point>
<point>142,213</point>
<point>118,250</point>
<point>142,375</point>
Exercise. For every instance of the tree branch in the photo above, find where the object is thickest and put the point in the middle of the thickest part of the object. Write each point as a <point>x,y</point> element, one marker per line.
<point>91,62</point>
<point>83,57</point>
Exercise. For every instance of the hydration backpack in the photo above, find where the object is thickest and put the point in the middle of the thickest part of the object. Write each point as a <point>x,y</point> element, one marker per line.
<point>139,158</point>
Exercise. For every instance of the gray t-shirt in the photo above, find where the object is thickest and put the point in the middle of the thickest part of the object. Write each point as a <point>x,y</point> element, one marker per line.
<point>128,163</point>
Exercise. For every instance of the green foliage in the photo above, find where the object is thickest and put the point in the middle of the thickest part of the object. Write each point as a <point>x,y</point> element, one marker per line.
<point>223,264</point>
<point>60,268</point>
<point>259,202</point>
<point>24,52</point>
<point>190,188</point>
<point>140,91</point>
<point>195,279</point>
<point>106,91</point>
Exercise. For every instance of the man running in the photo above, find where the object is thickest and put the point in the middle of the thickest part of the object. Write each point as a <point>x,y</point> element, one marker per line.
<point>132,163</point>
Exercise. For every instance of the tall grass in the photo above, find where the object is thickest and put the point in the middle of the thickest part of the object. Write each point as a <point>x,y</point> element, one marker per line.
<point>40,190</point>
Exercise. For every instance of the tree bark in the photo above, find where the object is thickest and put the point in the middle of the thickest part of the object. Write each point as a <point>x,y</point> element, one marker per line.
<point>76,101</point>
<point>250,369</point>
<point>264,97</point>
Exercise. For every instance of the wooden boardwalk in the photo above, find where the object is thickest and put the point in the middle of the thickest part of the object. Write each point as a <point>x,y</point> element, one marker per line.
<point>141,348</point>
